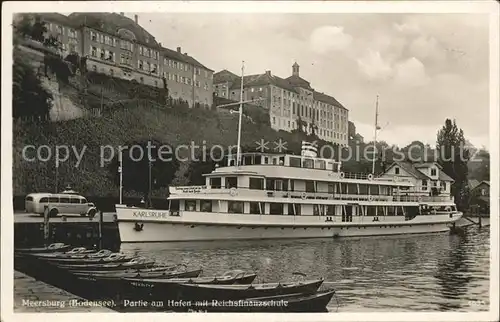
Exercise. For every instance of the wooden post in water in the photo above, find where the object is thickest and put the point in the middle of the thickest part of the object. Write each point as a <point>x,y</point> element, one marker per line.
<point>46,230</point>
<point>100,229</point>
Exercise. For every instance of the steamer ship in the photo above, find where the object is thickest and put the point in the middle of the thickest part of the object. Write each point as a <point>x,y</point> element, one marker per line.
<point>264,196</point>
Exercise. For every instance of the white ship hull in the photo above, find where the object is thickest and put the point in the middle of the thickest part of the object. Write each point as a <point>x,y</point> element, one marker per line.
<point>141,225</point>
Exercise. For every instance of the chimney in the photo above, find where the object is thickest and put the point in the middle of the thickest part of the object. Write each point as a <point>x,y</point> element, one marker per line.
<point>136,18</point>
<point>268,72</point>
<point>179,49</point>
<point>122,13</point>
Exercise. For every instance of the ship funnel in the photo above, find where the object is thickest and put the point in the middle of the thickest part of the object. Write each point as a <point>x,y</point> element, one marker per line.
<point>309,149</point>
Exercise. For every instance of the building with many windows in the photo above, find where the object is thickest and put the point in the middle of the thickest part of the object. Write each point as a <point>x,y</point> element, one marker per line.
<point>291,102</point>
<point>118,46</point>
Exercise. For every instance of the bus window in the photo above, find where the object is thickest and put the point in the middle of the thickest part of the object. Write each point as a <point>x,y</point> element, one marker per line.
<point>29,198</point>
<point>83,200</point>
<point>44,200</point>
<point>63,200</point>
<point>54,199</point>
<point>75,200</point>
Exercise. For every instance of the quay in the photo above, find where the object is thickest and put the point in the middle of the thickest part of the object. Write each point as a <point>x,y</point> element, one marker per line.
<point>23,217</point>
<point>30,230</point>
<point>31,296</point>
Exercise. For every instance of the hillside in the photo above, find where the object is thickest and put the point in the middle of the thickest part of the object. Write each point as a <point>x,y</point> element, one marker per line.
<point>124,126</point>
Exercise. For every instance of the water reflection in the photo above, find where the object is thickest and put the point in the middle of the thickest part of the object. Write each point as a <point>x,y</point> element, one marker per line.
<point>424,272</point>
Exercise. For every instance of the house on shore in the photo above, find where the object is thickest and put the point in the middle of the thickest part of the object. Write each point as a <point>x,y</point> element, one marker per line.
<point>479,200</point>
<point>428,177</point>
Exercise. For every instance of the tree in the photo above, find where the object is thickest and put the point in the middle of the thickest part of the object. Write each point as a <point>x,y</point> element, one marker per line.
<point>453,157</point>
<point>30,99</point>
<point>136,166</point>
<point>479,166</point>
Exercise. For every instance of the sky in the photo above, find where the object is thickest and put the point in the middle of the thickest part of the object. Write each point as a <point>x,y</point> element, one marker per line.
<point>424,67</point>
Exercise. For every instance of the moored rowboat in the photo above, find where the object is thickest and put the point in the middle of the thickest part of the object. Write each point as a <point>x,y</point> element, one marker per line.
<point>298,302</point>
<point>158,274</point>
<point>89,259</point>
<point>209,292</point>
<point>135,263</point>
<point>56,247</point>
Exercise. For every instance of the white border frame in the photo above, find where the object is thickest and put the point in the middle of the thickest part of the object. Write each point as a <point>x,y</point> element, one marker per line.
<point>8,8</point>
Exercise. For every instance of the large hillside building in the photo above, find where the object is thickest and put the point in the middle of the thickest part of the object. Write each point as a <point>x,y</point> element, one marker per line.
<point>291,102</point>
<point>118,46</point>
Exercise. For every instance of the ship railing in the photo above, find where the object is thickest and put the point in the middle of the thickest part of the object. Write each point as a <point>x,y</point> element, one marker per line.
<point>358,176</point>
<point>257,193</point>
<point>365,176</point>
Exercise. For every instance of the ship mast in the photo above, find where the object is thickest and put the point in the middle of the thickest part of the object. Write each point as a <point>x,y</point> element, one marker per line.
<point>375,137</point>
<point>240,114</point>
<point>120,170</point>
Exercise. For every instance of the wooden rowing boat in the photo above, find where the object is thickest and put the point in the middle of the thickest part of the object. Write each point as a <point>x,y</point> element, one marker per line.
<point>209,292</point>
<point>56,247</point>
<point>298,302</point>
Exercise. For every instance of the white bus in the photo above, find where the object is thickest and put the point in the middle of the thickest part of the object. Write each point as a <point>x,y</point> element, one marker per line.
<point>59,203</point>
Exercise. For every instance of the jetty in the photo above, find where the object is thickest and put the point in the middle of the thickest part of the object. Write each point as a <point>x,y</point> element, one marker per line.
<point>30,230</point>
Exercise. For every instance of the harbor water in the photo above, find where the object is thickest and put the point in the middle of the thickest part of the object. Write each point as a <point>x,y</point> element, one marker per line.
<point>433,272</point>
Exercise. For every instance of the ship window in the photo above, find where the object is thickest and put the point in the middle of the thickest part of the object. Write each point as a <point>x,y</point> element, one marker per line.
<point>235,207</point>
<point>343,188</point>
<point>374,190</point>
<point>310,186</point>
<point>258,159</point>
<point>231,182</point>
<point>191,205</point>
<point>257,183</point>
<point>380,211</point>
<point>331,188</point>
<point>308,163</point>
<point>206,205</point>
<point>363,189</point>
<point>295,162</point>
<point>275,208</point>
<point>315,210</point>
<point>255,208</point>
<point>391,211</point>
<point>371,211</point>
<point>269,184</point>
<point>320,164</point>
<point>174,205</point>
<point>248,160</point>
<point>352,188</point>
<point>279,185</point>
<point>330,210</point>
<point>215,183</point>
